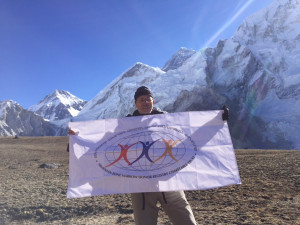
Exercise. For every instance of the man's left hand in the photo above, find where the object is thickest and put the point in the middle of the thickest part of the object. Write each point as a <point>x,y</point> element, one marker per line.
<point>225,115</point>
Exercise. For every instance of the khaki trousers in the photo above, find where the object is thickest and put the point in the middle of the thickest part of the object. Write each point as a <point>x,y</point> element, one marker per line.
<point>174,204</point>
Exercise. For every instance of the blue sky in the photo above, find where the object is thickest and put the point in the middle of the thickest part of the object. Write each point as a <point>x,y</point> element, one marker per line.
<point>82,45</point>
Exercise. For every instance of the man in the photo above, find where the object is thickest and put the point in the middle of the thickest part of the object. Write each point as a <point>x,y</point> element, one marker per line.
<point>174,203</point>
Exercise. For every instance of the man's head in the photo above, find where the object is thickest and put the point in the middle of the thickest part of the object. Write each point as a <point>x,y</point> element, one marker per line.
<point>144,100</point>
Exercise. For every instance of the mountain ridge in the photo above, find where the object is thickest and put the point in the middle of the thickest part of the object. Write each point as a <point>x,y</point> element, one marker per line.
<point>256,73</point>
<point>232,73</point>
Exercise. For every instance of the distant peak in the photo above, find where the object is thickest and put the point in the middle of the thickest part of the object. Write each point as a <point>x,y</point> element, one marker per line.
<point>60,92</point>
<point>137,69</point>
<point>58,105</point>
<point>139,64</point>
<point>185,49</point>
<point>178,58</point>
<point>8,102</point>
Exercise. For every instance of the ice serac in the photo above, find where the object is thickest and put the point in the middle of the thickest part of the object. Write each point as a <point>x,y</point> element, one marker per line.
<point>256,73</point>
<point>178,59</point>
<point>58,105</point>
<point>15,120</point>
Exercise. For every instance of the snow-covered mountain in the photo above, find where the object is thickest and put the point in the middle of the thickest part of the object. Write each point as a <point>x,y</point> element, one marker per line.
<point>58,105</point>
<point>15,120</point>
<point>273,37</point>
<point>48,118</point>
<point>178,59</point>
<point>256,73</point>
<point>117,98</point>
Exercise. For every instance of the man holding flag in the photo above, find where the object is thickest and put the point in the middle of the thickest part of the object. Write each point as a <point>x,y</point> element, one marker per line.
<point>142,156</point>
<point>174,203</point>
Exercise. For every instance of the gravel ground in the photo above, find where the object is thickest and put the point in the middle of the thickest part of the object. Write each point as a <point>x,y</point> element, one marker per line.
<point>34,179</point>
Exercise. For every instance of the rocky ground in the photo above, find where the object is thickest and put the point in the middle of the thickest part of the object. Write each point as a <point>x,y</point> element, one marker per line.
<point>34,179</point>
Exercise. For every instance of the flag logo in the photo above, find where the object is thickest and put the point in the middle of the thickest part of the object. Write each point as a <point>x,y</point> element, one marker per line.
<point>146,152</point>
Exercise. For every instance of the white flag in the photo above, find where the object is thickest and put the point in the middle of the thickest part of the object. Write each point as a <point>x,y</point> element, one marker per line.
<point>164,152</point>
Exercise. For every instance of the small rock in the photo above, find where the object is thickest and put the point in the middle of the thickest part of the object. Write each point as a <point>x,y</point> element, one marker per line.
<point>49,165</point>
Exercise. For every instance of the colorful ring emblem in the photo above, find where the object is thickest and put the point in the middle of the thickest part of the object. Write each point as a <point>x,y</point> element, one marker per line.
<point>146,152</point>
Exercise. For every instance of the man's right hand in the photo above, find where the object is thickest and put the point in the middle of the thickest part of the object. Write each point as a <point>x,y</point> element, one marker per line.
<point>71,132</point>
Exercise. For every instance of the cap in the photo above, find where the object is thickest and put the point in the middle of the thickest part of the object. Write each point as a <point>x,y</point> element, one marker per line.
<point>143,90</point>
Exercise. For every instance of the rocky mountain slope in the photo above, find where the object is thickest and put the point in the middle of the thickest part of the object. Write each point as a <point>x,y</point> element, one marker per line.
<point>15,120</point>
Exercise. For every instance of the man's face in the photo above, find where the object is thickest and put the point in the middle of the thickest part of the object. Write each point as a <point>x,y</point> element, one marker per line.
<point>144,104</point>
